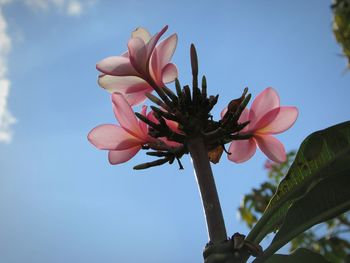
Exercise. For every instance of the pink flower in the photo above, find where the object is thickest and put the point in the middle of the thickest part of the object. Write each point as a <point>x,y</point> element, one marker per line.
<point>266,118</point>
<point>143,65</point>
<point>124,141</point>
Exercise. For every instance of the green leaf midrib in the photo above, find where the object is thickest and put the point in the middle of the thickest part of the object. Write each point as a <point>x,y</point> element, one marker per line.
<point>295,191</point>
<point>328,155</point>
<point>331,203</point>
<point>285,198</point>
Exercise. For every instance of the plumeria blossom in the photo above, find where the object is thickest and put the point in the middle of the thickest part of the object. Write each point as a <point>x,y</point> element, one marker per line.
<point>144,65</point>
<point>124,141</point>
<point>266,118</point>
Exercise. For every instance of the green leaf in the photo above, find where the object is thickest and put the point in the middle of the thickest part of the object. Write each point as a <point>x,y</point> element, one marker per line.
<point>301,255</point>
<point>322,154</point>
<point>327,199</point>
<point>341,25</point>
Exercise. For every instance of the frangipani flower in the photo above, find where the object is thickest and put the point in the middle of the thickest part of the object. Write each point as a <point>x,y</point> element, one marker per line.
<point>124,141</point>
<point>266,118</point>
<point>141,67</point>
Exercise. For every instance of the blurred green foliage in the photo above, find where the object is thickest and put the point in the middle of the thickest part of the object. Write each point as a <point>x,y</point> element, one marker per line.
<point>330,239</point>
<point>341,25</point>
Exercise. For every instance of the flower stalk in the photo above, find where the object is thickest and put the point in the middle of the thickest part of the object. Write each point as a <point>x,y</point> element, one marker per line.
<point>210,199</point>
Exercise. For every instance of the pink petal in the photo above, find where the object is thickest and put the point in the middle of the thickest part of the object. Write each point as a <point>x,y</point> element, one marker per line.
<point>242,150</point>
<point>285,118</point>
<point>136,98</point>
<point>244,115</point>
<point>133,88</point>
<point>128,143</point>
<point>122,84</point>
<point>161,57</point>
<point>266,101</point>
<point>125,116</point>
<point>108,136</point>
<point>271,147</point>
<point>154,70</point>
<point>116,66</point>
<point>142,33</point>
<point>243,118</point>
<point>223,112</point>
<point>173,125</point>
<point>151,117</point>
<point>116,157</point>
<point>266,119</point>
<point>138,54</point>
<point>153,41</point>
<point>169,73</point>
<point>166,50</point>
<point>140,51</point>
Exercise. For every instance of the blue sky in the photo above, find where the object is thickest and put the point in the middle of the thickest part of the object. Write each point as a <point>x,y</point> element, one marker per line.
<point>61,201</point>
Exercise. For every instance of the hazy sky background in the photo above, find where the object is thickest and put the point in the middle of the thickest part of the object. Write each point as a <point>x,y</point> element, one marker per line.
<point>60,200</point>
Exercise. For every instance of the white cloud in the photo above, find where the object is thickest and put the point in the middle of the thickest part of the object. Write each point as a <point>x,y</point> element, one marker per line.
<point>68,7</point>
<point>2,2</point>
<point>74,8</point>
<point>6,119</point>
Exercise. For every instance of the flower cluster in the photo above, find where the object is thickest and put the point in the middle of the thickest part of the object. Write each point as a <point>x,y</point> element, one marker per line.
<point>183,114</point>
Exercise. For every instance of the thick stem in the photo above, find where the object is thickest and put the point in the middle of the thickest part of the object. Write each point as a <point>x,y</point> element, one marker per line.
<point>206,183</point>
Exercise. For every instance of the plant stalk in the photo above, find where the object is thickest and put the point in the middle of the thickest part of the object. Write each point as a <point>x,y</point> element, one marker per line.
<point>210,199</point>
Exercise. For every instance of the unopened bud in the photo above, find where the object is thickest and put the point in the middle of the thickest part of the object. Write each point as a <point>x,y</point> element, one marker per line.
<point>234,104</point>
